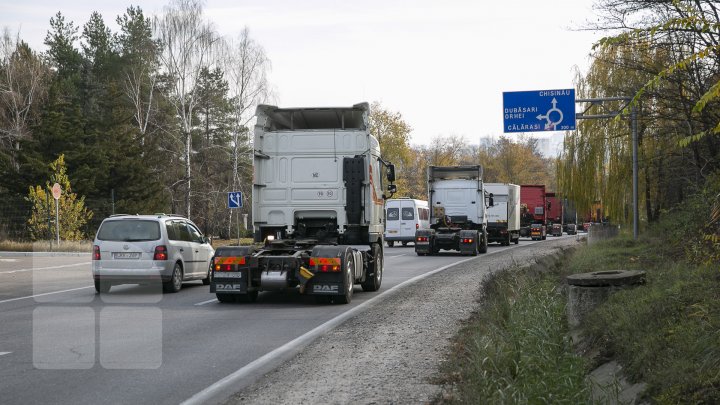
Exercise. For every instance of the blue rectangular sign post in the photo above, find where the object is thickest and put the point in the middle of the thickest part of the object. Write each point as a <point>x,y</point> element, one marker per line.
<point>235,199</point>
<point>539,110</point>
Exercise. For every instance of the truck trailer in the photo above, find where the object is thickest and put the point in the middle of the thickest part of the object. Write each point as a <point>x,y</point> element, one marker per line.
<point>504,216</point>
<point>554,212</point>
<point>458,211</point>
<point>533,211</point>
<point>317,208</point>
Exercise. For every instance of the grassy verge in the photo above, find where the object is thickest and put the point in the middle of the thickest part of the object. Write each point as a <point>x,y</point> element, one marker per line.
<point>44,246</point>
<point>665,333</point>
<point>515,349</point>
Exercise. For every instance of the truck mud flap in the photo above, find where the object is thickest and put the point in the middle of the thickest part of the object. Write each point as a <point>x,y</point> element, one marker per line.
<point>423,241</point>
<point>230,283</point>
<point>468,242</point>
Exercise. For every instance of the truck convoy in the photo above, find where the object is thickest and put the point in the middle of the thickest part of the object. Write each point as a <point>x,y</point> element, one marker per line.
<point>504,216</point>
<point>533,211</point>
<point>458,214</point>
<point>317,194</point>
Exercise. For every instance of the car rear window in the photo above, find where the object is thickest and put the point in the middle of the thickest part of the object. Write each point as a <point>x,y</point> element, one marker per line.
<point>129,230</point>
<point>408,213</point>
<point>393,214</point>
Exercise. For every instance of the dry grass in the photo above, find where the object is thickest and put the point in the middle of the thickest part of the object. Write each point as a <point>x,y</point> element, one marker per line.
<point>45,246</point>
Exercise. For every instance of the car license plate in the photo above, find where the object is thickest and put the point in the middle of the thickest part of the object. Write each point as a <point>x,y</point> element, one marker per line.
<point>126,255</point>
<point>392,231</point>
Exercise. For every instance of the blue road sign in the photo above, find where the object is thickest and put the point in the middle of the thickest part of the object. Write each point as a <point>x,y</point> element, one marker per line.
<point>235,199</point>
<point>539,110</point>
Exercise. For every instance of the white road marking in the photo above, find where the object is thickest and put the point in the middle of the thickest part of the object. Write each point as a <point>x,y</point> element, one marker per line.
<point>45,268</point>
<point>43,294</point>
<point>4,353</point>
<point>227,386</point>
<point>206,302</point>
<point>392,257</point>
<point>8,260</point>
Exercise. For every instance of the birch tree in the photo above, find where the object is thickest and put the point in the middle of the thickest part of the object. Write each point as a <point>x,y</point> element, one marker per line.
<point>24,79</point>
<point>246,67</point>
<point>188,43</point>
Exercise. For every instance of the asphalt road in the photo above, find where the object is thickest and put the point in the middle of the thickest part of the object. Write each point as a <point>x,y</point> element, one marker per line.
<point>62,343</point>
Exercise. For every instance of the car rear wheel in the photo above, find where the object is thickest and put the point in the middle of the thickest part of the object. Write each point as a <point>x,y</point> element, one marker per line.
<point>102,287</point>
<point>206,280</point>
<point>175,283</point>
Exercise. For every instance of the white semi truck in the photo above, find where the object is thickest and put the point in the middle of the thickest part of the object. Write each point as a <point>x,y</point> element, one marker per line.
<point>317,195</point>
<point>504,216</point>
<point>458,211</point>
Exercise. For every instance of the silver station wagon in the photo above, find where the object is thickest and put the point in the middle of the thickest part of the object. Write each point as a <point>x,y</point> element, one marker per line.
<point>146,249</point>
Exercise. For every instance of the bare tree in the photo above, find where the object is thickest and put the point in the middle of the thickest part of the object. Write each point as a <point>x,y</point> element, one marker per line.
<point>188,44</point>
<point>23,84</point>
<point>246,70</point>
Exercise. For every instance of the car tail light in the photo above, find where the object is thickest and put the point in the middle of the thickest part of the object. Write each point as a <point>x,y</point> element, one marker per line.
<point>96,252</point>
<point>160,253</point>
<point>417,226</point>
<point>326,264</point>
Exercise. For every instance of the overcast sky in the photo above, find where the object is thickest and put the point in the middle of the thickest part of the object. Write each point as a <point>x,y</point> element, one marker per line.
<point>442,64</point>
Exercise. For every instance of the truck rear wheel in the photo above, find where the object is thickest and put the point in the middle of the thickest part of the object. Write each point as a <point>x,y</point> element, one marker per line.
<point>375,269</point>
<point>390,243</point>
<point>349,267</point>
<point>484,245</point>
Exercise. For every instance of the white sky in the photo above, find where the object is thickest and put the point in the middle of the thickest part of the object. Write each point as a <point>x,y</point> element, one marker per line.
<point>443,64</point>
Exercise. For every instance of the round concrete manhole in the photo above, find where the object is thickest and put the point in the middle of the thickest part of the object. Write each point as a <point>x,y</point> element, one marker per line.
<point>607,278</point>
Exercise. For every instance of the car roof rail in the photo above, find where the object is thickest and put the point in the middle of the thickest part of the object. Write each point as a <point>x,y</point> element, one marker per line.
<point>118,215</point>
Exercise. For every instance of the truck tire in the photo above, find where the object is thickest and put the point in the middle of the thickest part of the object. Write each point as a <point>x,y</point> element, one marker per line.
<point>375,270</point>
<point>348,285</point>
<point>484,245</point>
<point>390,243</point>
<point>509,239</point>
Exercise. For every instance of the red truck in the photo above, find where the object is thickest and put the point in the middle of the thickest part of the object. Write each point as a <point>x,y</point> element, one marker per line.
<point>554,212</point>
<point>533,210</point>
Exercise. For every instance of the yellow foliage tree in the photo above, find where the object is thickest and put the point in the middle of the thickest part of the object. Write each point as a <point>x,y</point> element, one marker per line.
<point>73,213</point>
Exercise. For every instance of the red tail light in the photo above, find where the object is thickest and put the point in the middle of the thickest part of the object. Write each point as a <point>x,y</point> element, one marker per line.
<point>160,253</point>
<point>96,252</point>
<point>326,264</point>
<point>223,267</point>
<point>417,226</point>
<point>422,239</point>
<point>467,240</point>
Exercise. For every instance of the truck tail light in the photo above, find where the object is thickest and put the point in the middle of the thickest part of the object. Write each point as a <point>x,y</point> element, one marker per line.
<point>96,252</point>
<point>326,264</point>
<point>160,253</point>
<point>422,239</point>
<point>467,240</point>
<point>226,263</point>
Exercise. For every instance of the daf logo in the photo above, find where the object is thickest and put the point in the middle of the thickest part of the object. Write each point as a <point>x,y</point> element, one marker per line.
<point>126,247</point>
<point>325,288</point>
<point>225,286</point>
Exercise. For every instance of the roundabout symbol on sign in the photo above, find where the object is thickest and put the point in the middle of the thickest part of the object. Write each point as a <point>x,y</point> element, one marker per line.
<point>549,123</point>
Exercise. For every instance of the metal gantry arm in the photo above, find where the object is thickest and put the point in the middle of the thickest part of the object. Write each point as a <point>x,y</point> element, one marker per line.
<point>633,125</point>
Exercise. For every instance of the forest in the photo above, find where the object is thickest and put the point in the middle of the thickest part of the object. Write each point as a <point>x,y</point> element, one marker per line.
<point>157,117</point>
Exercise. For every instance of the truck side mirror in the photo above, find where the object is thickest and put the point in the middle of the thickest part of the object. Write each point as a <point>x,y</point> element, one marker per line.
<point>391,173</point>
<point>491,200</point>
<point>392,189</point>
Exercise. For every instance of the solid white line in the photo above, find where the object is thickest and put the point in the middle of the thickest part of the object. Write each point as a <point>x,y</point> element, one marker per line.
<point>227,386</point>
<point>206,302</point>
<point>4,353</point>
<point>43,294</point>
<point>45,268</point>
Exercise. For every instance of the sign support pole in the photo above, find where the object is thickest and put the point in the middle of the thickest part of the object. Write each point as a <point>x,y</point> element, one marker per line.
<point>57,220</point>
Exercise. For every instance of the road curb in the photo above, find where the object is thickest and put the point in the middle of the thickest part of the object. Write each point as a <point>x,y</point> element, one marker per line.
<point>43,254</point>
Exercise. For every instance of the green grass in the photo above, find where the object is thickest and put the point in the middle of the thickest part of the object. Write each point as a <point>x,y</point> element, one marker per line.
<point>515,350</point>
